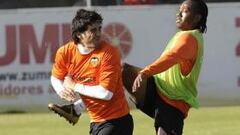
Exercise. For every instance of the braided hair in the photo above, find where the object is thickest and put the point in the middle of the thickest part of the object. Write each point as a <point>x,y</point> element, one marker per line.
<point>200,7</point>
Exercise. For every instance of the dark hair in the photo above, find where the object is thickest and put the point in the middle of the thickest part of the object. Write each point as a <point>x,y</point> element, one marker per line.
<point>200,7</point>
<point>82,20</point>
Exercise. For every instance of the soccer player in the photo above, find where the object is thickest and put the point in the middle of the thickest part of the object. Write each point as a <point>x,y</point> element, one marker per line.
<point>177,70</point>
<point>95,73</point>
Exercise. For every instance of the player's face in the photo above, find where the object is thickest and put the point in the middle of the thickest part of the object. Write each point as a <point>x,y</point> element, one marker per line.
<point>185,16</point>
<point>91,37</point>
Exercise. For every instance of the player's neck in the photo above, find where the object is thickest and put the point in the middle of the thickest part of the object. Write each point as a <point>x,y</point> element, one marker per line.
<point>84,50</point>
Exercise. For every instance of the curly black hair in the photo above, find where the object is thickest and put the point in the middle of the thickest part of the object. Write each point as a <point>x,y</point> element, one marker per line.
<point>82,20</point>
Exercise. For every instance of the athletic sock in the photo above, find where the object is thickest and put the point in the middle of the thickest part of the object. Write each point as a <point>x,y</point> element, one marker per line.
<point>79,106</point>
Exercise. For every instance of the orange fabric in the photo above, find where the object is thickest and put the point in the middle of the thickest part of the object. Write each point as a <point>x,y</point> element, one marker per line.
<point>183,53</point>
<point>100,67</point>
<point>179,104</point>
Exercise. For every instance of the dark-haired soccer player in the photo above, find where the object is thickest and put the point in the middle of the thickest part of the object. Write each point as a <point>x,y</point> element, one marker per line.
<point>95,70</point>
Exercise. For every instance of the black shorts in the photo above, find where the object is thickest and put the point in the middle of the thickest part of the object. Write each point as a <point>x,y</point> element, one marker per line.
<point>120,126</point>
<point>169,118</point>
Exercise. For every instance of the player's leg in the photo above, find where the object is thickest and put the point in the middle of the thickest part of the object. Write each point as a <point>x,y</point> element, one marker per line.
<point>120,126</point>
<point>144,98</point>
<point>161,131</point>
<point>168,119</point>
<point>148,106</point>
<point>71,112</point>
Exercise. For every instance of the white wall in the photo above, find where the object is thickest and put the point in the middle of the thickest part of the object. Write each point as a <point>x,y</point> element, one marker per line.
<point>150,29</point>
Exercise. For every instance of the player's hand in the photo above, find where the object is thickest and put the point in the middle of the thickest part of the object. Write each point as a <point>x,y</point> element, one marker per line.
<point>67,95</point>
<point>138,81</point>
<point>69,83</point>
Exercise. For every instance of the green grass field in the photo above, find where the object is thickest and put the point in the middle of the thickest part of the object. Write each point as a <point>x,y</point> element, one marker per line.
<point>203,121</point>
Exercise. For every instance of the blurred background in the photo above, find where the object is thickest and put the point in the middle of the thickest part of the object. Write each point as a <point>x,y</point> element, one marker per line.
<point>13,4</point>
<point>32,30</point>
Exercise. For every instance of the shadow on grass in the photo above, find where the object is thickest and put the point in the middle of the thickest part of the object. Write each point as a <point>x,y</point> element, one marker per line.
<point>13,112</point>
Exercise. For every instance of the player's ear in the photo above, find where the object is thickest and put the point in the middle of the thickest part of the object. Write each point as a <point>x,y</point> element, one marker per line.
<point>197,18</point>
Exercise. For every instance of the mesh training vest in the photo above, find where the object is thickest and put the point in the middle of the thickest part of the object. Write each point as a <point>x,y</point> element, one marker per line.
<point>173,84</point>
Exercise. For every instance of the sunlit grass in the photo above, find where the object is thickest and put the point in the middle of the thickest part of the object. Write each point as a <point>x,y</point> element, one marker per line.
<point>203,121</point>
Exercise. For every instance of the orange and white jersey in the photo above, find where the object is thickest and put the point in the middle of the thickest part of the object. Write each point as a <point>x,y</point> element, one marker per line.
<point>100,67</point>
